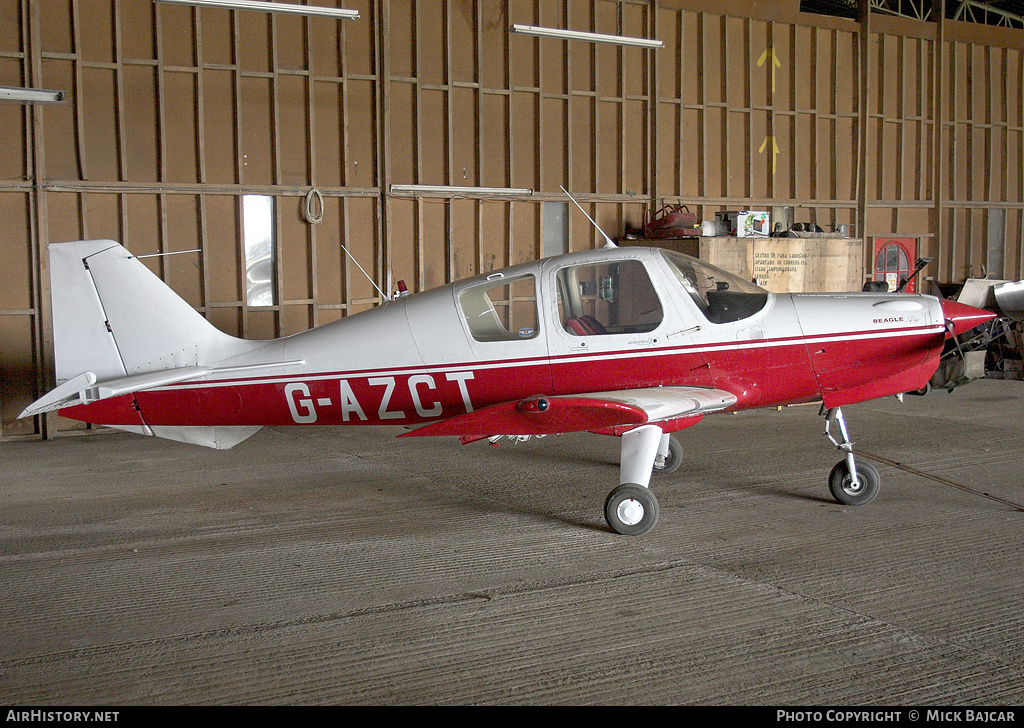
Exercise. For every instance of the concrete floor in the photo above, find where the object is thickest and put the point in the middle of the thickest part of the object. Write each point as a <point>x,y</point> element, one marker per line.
<point>340,566</point>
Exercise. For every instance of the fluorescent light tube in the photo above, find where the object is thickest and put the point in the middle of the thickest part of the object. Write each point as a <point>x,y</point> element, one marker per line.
<point>31,95</point>
<point>449,190</point>
<point>269,7</point>
<point>590,37</point>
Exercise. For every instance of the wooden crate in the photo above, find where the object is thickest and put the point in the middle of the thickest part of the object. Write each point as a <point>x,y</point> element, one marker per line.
<point>790,265</point>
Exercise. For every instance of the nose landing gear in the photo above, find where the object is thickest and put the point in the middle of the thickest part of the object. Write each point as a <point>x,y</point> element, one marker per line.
<point>852,484</point>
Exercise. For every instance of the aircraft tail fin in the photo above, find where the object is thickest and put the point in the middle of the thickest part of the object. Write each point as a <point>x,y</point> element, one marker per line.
<point>117,324</point>
<point>112,316</point>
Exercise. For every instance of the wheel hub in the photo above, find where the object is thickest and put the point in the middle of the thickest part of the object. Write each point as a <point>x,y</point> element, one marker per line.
<point>630,512</point>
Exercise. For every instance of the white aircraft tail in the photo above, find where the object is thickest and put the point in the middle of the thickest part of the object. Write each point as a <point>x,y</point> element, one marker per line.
<point>117,329</point>
<point>112,316</point>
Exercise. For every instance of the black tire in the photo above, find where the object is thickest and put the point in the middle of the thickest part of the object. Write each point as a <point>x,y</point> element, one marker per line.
<point>631,510</point>
<point>674,458</point>
<point>840,483</point>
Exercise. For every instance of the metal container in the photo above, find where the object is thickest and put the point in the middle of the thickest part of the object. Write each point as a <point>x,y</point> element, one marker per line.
<point>1010,297</point>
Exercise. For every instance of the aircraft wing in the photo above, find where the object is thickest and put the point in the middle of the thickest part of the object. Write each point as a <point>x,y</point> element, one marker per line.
<point>596,411</point>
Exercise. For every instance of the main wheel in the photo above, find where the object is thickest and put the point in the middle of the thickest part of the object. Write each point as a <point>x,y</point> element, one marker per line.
<point>840,482</point>
<point>631,510</point>
<point>674,458</point>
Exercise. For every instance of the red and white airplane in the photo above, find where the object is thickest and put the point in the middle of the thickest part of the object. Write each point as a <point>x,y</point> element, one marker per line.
<point>634,342</point>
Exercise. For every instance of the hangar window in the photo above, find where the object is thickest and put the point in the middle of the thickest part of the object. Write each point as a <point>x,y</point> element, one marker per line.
<point>615,297</point>
<point>501,309</point>
<point>259,239</point>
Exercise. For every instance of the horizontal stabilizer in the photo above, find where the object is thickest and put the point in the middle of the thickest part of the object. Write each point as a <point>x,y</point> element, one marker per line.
<point>67,394</point>
<point>83,389</point>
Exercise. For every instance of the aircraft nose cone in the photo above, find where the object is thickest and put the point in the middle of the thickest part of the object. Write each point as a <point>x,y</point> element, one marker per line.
<point>963,317</point>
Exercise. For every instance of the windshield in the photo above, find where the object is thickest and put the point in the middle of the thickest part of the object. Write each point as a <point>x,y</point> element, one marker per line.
<point>721,296</point>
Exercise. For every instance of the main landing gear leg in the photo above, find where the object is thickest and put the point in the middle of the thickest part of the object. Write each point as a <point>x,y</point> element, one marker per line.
<point>851,484</point>
<point>631,509</point>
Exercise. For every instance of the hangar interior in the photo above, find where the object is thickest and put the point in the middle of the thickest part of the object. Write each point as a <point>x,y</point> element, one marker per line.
<point>266,159</point>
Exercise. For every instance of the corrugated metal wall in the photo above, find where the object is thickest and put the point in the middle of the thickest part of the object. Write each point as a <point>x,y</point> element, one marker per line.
<point>175,113</point>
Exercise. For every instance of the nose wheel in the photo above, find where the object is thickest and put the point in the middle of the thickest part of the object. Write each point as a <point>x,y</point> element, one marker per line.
<point>851,483</point>
<point>853,493</point>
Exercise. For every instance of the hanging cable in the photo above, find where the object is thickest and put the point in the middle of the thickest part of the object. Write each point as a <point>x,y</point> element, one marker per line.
<point>314,211</point>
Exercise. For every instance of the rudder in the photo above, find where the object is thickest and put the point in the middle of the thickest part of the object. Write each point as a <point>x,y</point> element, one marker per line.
<point>114,317</point>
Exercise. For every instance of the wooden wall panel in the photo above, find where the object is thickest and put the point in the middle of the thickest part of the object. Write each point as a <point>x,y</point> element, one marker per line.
<point>103,218</point>
<point>141,126</point>
<point>464,225</point>
<point>492,29</point>
<point>255,53</point>
<point>294,261</point>
<point>257,131</point>
<point>292,131</point>
<point>16,252</point>
<point>218,119</point>
<point>178,215</point>
<point>218,35</point>
<point>223,250</point>
<point>61,135</point>
<point>176,36</point>
<point>433,243</point>
<point>360,235</point>
<point>181,153</point>
<point>431,134</point>
<point>56,28</point>
<point>403,133</point>
<point>328,131</point>
<point>634,148</point>
<point>64,217</point>
<point>360,155</point>
<point>11,28</point>
<point>18,373</point>
<point>524,147</point>
<point>464,138</point>
<point>13,158</point>
<point>525,238</point>
<point>405,236</point>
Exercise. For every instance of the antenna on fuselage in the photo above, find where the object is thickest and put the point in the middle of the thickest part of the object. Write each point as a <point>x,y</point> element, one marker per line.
<point>610,244</point>
<point>384,297</point>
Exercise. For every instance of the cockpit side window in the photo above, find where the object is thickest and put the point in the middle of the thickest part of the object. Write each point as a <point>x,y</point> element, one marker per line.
<point>721,296</point>
<point>616,297</point>
<point>501,309</point>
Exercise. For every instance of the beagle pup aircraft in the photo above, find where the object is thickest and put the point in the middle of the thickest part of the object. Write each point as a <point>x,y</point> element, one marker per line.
<point>634,342</point>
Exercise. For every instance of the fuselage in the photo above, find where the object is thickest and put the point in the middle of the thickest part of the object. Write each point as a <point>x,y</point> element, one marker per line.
<point>603,320</point>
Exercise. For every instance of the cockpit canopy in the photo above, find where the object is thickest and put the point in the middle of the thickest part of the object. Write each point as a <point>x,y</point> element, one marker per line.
<point>601,296</point>
<point>721,296</point>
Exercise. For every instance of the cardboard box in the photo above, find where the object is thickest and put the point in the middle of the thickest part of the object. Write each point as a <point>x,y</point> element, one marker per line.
<point>743,223</point>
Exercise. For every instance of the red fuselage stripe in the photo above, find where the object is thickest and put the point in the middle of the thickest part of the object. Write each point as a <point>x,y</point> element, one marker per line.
<point>759,373</point>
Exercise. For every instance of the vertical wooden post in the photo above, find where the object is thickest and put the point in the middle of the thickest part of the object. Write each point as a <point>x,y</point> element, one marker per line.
<point>939,165</point>
<point>43,320</point>
<point>863,109</point>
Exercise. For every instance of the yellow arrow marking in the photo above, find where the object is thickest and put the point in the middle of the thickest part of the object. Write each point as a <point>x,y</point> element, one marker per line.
<point>775,62</point>
<point>775,150</point>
